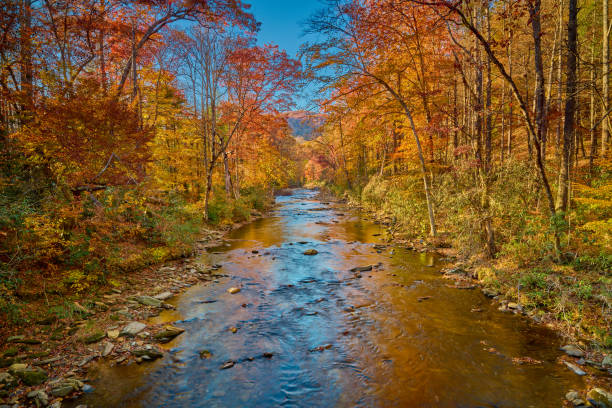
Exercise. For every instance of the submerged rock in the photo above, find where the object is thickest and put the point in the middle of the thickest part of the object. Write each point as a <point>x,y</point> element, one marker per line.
<point>311,252</point>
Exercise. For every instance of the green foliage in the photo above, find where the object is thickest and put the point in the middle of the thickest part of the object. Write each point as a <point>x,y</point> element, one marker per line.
<point>534,280</point>
<point>401,199</point>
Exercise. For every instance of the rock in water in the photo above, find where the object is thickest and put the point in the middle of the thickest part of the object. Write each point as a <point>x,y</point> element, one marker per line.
<point>572,350</point>
<point>233,290</point>
<point>600,398</point>
<point>574,368</point>
<point>133,329</point>
<point>168,333</point>
<point>228,364</point>
<point>149,352</point>
<point>311,252</point>
<point>362,268</point>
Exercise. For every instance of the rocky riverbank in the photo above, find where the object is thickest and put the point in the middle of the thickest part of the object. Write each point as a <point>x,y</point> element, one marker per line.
<point>46,364</point>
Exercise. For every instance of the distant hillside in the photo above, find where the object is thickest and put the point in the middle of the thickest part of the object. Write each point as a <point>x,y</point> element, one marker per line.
<point>305,124</point>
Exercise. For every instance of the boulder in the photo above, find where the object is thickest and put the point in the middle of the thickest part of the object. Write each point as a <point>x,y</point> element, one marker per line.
<point>362,268</point>
<point>66,387</point>
<point>599,398</point>
<point>93,338</point>
<point>572,350</point>
<point>168,333</point>
<point>41,399</point>
<point>7,380</point>
<point>148,353</point>
<point>108,348</point>
<point>164,296</point>
<point>577,370</point>
<point>132,329</point>
<point>31,376</point>
<point>149,301</point>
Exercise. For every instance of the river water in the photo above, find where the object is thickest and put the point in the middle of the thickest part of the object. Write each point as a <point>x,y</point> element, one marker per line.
<point>337,338</point>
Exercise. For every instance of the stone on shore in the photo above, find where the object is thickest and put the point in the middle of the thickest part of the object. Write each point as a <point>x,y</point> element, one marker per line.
<point>149,301</point>
<point>164,296</point>
<point>148,353</point>
<point>599,398</point>
<point>577,370</point>
<point>132,329</point>
<point>572,350</point>
<point>168,333</point>
<point>40,398</point>
<point>30,376</point>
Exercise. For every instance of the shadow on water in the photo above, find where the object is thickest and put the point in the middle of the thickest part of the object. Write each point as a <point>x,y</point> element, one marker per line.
<point>337,338</point>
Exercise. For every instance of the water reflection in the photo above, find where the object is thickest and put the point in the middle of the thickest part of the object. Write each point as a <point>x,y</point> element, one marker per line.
<point>394,335</point>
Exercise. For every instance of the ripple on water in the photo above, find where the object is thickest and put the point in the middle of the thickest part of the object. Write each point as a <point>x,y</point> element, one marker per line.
<point>335,338</point>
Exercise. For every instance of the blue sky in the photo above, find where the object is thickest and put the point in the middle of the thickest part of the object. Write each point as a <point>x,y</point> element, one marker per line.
<point>281,25</point>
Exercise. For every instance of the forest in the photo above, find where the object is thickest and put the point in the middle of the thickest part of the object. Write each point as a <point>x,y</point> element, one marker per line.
<point>133,131</point>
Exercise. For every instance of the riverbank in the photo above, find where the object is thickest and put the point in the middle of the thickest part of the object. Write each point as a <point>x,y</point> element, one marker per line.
<point>512,289</point>
<point>45,363</point>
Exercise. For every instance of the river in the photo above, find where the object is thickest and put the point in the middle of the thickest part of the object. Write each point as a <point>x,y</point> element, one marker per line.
<point>393,336</point>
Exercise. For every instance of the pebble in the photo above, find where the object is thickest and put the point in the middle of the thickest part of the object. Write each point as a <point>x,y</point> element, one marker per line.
<point>233,290</point>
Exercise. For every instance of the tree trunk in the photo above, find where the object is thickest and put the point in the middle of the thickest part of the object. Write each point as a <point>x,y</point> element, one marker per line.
<point>605,75</point>
<point>25,50</point>
<point>570,109</point>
